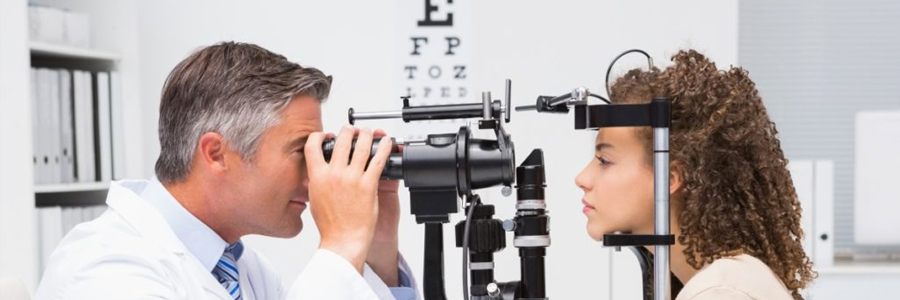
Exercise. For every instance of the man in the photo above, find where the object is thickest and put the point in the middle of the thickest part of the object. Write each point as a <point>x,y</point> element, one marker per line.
<point>240,134</point>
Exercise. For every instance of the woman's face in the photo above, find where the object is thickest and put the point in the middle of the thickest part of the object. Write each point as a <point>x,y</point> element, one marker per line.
<point>617,185</point>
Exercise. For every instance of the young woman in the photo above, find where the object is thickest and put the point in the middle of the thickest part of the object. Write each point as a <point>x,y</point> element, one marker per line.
<point>734,210</point>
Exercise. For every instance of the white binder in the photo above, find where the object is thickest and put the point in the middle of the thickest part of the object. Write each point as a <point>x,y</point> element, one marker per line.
<point>54,137</point>
<point>803,176</point>
<point>814,182</point>
<point>84,142</point>
<point>43,135</point>
<point>35,126</point>
<point>67,137</point>
<point>50,232</point>
<point>80,141</point>
<point>91,126</point>
<point>117,122</point>
<point>103,123</point>
<point>824,210</point>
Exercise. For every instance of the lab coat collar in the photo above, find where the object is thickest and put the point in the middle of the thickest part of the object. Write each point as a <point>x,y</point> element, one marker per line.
<point>124,198</point>
<point>204,243</point>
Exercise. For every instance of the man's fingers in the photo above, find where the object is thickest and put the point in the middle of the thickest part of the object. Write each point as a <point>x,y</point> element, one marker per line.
<point>362,150</point>
<point>380,158</point>
<point>312,152</point>
<point>379,133</point>
<point>341,152</point>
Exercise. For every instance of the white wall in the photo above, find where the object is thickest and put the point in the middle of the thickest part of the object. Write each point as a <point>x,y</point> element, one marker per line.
<point>544,47</point>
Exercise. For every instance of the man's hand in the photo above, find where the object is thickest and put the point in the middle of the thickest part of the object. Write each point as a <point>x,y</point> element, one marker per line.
<point>342,195</point>
<point>384,255</point>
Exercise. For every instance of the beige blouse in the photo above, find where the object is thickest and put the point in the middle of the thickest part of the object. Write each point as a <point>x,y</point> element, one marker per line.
<point>738,277</point>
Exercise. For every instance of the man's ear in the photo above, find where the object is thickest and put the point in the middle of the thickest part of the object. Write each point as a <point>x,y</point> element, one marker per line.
<point>676,177</point>
<point>211,151</point>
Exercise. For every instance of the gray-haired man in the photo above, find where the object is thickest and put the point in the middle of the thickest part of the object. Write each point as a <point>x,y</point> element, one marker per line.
<point>240,134</point>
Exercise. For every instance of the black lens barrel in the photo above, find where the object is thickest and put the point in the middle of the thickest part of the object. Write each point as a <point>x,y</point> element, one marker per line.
<point>393,169</point>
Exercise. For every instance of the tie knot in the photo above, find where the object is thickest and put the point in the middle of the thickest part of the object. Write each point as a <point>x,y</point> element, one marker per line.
<point>234,251</point>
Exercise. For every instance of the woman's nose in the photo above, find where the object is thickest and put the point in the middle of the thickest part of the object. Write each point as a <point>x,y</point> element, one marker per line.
<point>583,180</point>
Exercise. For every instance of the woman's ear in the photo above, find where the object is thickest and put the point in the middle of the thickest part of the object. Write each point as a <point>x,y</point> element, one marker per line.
<point>676,177</point>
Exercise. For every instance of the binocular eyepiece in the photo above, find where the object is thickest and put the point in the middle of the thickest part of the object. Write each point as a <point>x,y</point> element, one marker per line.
<point>444,160</point>
<point>393,166</point>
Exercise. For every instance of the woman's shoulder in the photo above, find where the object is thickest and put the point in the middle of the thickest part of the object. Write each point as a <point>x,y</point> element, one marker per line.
<point>735,277</point>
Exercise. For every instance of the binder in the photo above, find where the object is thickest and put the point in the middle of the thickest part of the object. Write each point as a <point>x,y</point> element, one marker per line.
<point>91,126</point>
<point>78,109</point>
<point>50,232</point>
<point>117,122</point>
<point>823,231</point>
<point>35,127</point>
<point>44,125</point>
<point>103,125</point>
<point>53,137</point>
<point>70,217</point>
<point>803,177</point>
<point>67,165</point>
<point>84,142</point>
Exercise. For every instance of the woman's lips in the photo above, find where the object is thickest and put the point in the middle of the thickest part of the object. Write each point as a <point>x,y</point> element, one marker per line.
<point>587,206</point>
<point>300,201</point>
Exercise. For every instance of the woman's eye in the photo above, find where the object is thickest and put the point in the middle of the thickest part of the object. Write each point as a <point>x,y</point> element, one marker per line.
<point>603,161</point>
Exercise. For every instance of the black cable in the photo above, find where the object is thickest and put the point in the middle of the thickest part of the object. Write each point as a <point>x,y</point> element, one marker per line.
<point>474,200</point>
<point>599,97</point>
<point>609,70</point>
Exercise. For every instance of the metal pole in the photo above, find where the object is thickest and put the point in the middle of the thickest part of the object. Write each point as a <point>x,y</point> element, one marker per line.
<point>661,279</point>
<point>377,115</point>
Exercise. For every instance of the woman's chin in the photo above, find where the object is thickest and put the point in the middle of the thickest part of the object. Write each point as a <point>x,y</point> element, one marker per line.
<point>597,235</point>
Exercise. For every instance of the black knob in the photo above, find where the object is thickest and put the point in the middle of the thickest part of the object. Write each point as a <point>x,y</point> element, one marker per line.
<point>824,237</point>
<point>486,235</point>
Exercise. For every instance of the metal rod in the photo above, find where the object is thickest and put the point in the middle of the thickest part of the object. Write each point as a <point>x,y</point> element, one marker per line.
<point>560,99</point>
<point>376,115</point>
<point>507,109</point>
<point>443,112</point>
<point>661,279</point>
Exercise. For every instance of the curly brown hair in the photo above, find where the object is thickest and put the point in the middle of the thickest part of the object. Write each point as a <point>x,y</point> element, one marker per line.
<point>737,194</point>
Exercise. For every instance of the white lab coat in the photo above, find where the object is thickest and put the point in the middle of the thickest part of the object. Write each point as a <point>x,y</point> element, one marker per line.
<point>130,252</point>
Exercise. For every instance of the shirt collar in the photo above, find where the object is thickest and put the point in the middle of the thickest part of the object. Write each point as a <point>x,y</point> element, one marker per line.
<point>200,240</point>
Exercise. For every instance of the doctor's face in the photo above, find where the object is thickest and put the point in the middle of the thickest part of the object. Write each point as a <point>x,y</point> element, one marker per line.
<point>617,185</point>
<point>272,191</point>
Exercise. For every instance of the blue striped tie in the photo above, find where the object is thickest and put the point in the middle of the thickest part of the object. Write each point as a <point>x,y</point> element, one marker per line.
<point>226,270</point>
